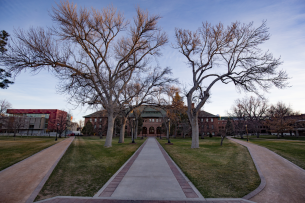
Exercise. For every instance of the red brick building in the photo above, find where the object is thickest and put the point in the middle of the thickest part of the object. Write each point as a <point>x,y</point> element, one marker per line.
<point>153,119</point>
<point>39,119</point>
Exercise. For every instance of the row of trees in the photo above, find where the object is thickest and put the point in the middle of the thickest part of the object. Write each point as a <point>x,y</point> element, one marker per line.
<point>255,112</point>
<point>105,61</point>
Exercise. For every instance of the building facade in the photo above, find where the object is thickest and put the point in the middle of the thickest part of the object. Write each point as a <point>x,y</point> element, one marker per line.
<point>154,121</point>
<point>34,120</point>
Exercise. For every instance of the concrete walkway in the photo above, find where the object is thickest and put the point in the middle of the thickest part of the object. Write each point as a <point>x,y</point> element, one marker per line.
<point>18,182</point>
<point>285,182</point>
<point>149,175</point>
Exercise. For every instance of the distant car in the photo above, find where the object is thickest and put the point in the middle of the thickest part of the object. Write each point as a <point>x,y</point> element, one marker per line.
<point>71,134</point>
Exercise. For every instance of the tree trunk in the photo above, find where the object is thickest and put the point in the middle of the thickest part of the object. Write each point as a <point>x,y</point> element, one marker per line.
<point>136,130</point>
<point>202,136</point>
<point>122,131</point>
<point>222,138</point>
<point>195,135</point>
<point>108,142</point>
<point>183,135</point>
<point>257,134</point>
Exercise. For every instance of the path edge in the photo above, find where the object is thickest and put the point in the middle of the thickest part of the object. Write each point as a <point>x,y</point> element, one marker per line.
<point>46,177</point>
<point>200,196</point>
<point>31,156</point>
<point>114,175</point>
<point>263,180</point>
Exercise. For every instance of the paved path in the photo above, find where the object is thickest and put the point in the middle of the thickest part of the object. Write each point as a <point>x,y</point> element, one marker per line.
<point>18,182</point>
<point>285,182</point>
<point>150,174</point>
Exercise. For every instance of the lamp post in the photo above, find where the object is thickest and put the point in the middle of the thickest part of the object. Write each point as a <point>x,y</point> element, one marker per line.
<point>169,125</point>
<point>160,131</point>
<point>56,132</point>
<point>132,133</point>
<point>247,133</point>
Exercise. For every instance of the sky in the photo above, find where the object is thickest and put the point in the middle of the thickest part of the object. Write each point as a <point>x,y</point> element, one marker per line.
<point>285,19</point>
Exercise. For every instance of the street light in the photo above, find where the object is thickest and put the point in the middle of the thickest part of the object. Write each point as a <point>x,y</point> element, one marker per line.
<point>247,133</point>
<point>56,132</point>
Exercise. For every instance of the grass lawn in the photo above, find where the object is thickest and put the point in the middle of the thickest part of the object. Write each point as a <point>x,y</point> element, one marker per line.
<point>13,151</point>
<point>287,137</point>
<point>217,171</point>
<point>86,166</point>
<point>293,150</point>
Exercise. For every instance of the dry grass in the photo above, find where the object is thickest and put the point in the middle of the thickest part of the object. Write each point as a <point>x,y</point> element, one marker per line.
<point>217,171</point>
<point>13,151</point>
<point>86,167</point>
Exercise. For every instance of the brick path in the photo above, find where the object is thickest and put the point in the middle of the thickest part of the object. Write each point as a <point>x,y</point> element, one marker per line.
<point>285,182</point>
<point>18,182</point>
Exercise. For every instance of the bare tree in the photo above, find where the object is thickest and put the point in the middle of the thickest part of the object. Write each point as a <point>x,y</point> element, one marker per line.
<point>239,120</point>
<point>277,121</point>
<point>95,54</point>
<point>235,50</point>
<point>4,105</point>
<point>254,110</point>
<point>16,123</point>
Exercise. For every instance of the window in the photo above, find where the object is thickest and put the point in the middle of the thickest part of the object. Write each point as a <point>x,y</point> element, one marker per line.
<point>212,126</point>
<point>101,126</point>
<point>94,126</point>
<point>212,119</point>
<point>90,119</point>
<point>31,126</point>
<point>149,120</point>
<point>153,120</point>
<point>201,119</point>
<point>207,120</point>
<point>100,119</point>
<point>95,120</point>
<point>212,133</point>
<point>207,126</point>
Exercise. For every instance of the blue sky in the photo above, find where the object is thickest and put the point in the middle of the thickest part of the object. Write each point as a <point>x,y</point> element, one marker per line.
<point>286,20</point>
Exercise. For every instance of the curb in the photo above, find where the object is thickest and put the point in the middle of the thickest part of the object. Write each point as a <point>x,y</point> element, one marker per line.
<point>30,156</point>
<point>263,180</point>
<point>46,177</point>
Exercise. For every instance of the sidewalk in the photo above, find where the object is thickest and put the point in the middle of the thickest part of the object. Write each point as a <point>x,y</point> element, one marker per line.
<point>18,182</point>
<point>285,182</point>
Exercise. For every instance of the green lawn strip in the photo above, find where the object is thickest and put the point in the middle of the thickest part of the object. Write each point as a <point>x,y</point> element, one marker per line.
<point>286,137</point>
<point>292,150</point>
<point>86,166</point>
<point>12,151</point>
<point>216,171</point>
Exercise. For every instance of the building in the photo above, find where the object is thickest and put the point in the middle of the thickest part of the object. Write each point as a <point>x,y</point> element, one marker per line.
<point>154,120</point>
<point>34,121</point>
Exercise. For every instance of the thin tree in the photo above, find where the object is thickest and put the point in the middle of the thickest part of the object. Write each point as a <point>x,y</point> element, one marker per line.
<point>229,131</point>
<point>95,54</point>
<point>229,55</point>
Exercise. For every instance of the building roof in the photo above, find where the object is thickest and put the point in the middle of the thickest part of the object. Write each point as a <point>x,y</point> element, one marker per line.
<point>148,112</point>
<point>206,114</point>
<point>97,114</point>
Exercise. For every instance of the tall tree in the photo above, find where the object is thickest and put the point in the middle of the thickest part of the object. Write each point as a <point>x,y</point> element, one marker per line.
<point>3,74</point>
<point>229,55</point>
<point>277,121</point>
<point>4,105</point>
<point>254,110</point>
<point>95,54</point>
